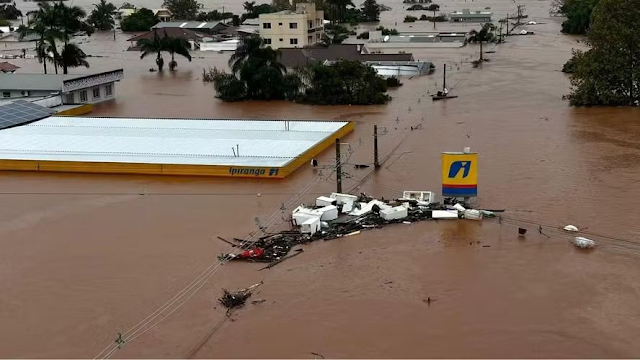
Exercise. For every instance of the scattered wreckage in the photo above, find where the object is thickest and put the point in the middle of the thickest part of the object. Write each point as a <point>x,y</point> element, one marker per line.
<point>342,215</point>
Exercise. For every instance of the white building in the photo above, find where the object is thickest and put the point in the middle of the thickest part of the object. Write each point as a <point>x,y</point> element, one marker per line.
<point>292,29</point>
<point>74,89</point>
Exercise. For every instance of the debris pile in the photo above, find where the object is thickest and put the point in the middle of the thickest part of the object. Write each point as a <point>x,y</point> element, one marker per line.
<point>236,299</point>
<point>341,215</point>
<point>583,243</point>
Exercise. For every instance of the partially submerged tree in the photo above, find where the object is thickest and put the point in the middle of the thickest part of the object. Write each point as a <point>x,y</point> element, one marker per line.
<point>578,13</point>
<point>183,9</point>
<point>141,20</point>
<point>72,56</point>
<point>371,10</point>
<point>175,46</point>
<point>609,73</point>
<point>151,46</point>
<point>485,35</point>
<point>102,17</point>
<point>10,12</point>
<point>44,27</point>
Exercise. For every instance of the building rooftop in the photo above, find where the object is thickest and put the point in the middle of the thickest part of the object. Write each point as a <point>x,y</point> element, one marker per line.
<point>291,57</point>
<point>260,143</point>
<point>8,67</point>
<point>171,32</point>
<point>53,82</point>
<point>469,13</point>
<point>189,25</point>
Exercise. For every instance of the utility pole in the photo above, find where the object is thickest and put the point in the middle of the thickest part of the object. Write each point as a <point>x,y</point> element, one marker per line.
<point>375,146</point>
<point>507,23</point>
<point>434,19</point>
<point>338,168</point>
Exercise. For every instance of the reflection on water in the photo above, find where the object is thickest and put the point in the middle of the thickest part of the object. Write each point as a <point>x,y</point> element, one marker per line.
<point>76,269</point>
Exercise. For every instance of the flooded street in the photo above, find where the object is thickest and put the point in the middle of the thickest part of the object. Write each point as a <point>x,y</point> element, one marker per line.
<point>87,256</point>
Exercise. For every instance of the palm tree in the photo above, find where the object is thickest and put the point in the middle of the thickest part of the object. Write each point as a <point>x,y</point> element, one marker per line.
<point>72,56</point>
<point>156,45</point>
<point>485,35</point>
<point>249,6</point>
<point>251,50</point>
<point>102,17</point>
<point>175,46</point>
<point>43,26</point>
<point>69,21</point>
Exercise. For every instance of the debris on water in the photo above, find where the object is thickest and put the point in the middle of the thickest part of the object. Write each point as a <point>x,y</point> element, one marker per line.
<point>583,243</point>
<point>486,245</point>
<point>571,228</point>
<point>256,302</point>
<point>343,215</point>
<point>316,354</point>
<point>236,299</point>
<point>521,232</point>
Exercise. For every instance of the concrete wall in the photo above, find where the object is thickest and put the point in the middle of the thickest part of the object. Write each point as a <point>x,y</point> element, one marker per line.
<point>309,27</point>
<point>20,94</point>
<point>90,99</point>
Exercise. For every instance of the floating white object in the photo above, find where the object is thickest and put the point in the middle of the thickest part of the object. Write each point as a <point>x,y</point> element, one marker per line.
<point>583,243</point>
<point>398,212</point>
<point>352,233</point>
<point>421,196</point>
<point>459,207</point>
<point>325,201</point>
<point>343,198</point>
<point>347,207</point>
<point>407,222</point>
<point>472,214</point>
<point>444,214</point>
<point>311,226</point>
<point>366,208</point>
<point>327,213</point>
<point>572,228</point>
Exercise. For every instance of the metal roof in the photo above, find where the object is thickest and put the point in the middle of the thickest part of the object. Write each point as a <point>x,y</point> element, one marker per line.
<point>188,24</point>
<point>31,82</point>
<point>164,141</point>
<point>20,112</point>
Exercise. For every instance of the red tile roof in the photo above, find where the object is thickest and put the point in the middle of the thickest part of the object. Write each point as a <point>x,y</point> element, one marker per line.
<point>8,67</point>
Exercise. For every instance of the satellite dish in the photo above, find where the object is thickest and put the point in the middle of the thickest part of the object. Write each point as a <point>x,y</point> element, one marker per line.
<point>386,38</point>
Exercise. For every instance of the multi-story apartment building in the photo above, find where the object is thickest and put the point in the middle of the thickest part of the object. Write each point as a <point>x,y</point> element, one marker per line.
<point>293,29</point>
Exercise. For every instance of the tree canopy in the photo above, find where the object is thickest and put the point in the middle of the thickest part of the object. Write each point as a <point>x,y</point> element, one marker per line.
<point>141,20</point>
<point>9,12</point>
<point>102,17</point>
<point>371,11</point>
<point>485,35</point>
<point>256,73</point>
<point>183,9</point>
<point>578,13</point>
<point>609,73</point>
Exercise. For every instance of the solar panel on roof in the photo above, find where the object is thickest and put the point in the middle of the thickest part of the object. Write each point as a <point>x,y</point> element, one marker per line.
<point>21,112</point>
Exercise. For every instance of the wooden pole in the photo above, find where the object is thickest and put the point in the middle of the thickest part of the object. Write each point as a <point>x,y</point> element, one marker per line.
<point>338,168</point>
<point>375,146</point>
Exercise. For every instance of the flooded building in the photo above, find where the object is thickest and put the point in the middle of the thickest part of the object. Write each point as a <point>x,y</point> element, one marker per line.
<point>208,147</point>
<point>193,37</point>
<point>292,58</point>
<point>379,43</point>
<point>72,89</point>
<point>211,27</point>
<point>467,15</point>
<point>293,29</point>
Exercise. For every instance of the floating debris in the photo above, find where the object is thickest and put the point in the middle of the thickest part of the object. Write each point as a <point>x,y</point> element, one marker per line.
<point>344,215</point>
<point>583,243</point>
<point>571,228</point>
<point>236,299</point>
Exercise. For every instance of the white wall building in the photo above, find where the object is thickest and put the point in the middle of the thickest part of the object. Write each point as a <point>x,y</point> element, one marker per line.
<point>292,29</point>
<point>74,89</point>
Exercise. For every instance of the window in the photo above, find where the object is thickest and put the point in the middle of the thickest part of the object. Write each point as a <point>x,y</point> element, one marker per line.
<point>293,41</point>
<point>6,94</point>
<point>109,89</point>
<point>279,24</point>
<point>266,26</point>
<point>68,98</point>
<point>83,96</point>
<point>267,41</point>
<point>310,23</point>
<point>293,25</point>
<point>310,39</point>
<point>96,93</point>
<point>280,40</point>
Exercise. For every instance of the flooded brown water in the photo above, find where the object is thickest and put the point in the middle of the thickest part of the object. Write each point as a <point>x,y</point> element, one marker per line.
<point>86,256</point>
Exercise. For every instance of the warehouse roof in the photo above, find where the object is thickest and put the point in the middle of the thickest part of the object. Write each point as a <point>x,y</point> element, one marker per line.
<point>265,143</point>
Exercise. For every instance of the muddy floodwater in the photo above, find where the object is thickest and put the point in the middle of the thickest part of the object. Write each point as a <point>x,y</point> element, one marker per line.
<point>83,257</point>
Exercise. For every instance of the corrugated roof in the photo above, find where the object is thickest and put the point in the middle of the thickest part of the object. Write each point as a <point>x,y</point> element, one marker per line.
<point>301,57</point>
<point>164,141</point>
<point>31,82</point>
<point>204,25</point>
<point>170,32</point>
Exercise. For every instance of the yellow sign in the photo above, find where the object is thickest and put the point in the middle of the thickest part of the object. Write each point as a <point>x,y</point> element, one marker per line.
<point>459,174</point>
